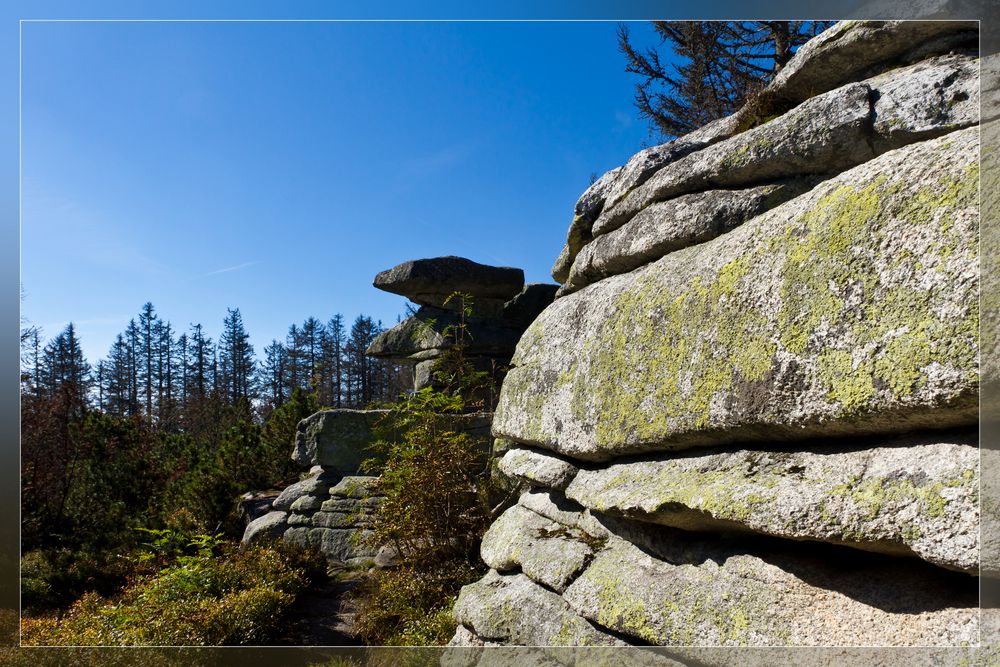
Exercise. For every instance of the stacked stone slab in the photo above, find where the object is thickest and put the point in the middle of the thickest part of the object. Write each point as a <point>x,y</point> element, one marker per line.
<point>332,508</point>
<point>749,418</point>
<point>502,306</point>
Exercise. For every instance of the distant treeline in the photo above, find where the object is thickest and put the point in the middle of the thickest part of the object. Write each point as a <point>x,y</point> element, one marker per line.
<point>166,432</point>
<point>153,372</point>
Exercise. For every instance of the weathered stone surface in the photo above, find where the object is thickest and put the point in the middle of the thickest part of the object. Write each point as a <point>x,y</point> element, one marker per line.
<point>555,507</point>
<point>336,439</point>
<point>713,593</point>
<point>664,227</point>
<point>514,610</point>
<point>464,637</point>
<point>526,305</point>
<point>355,486</point>
<point>912,496</point>
<point>537,468</point>
<point>311,486</point>
<point>341,544</point>
<point>925,100</point>
<point>429,281</point>
<point>851,309</point>
<point>425,332</point>
<point>339,519</point>
<point>547,552</point>
<point>339,504</point>
<point>614,185</point>
<point>850,50</point>
<point>306,504</point>
<point>270,525</point>
<point>825,134</point>
<point>297,536</point>
<point>300,519</point>
<point>563,264</point>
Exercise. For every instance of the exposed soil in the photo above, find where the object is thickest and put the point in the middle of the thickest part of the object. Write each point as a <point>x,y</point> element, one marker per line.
<point>324,614</point>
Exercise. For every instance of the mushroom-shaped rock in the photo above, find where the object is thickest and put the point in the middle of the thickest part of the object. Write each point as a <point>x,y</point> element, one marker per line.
<point>430,281</point>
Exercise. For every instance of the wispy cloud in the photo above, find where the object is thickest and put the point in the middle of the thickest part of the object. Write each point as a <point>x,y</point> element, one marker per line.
<point>434,162</point>
<point>229,269</point>
<point>623,120</point>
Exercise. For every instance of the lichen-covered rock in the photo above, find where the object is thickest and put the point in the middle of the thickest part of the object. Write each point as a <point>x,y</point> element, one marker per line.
<point>338,439</point>
<point>512,609</point>
<point>271,525</point>
<point>825,134</point>
<point>712,593</point>
<point>537,468</point>
<point>341,544</point>
<point>925,100</point>
<point>670,225</point>
<point>912,496</point>
<point>549,553</point>
<point>307,504</point>
<point>555,507</point>
<point>355,486</point>
<point>317,485</point>
<point>851,309</point>
<point>850,50</point>
<point>431,281</point>
<point>426,332</point>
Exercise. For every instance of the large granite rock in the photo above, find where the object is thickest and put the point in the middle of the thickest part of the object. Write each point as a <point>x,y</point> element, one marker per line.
<point>851,50</point>
<point>711,593</point>
<point>614,185</point>
<point>911,496</point>
<point>548,552</point>
<point>431,281</point>
<point>666,226</point>
<point>825,134</point>
<point>339,440</point>
<point>271,525</point>
<point>425,335</point>
<point>512,609</point>
<point>851,309</point>
<point>537,468</point>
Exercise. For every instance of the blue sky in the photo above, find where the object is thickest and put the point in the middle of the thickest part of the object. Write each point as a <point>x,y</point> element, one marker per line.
<point>277,167</point>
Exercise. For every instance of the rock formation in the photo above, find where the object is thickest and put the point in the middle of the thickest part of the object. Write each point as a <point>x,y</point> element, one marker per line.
<point>501,305</point>
<point>749,416</point>
<point>332,507</point>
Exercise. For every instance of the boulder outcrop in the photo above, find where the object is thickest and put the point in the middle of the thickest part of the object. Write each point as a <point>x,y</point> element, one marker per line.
<point>500,306</point>
<point>749,416</point>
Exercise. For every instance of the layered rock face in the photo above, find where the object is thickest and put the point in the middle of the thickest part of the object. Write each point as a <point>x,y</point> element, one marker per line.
<point>750,415</point>
<point>332,508</point>
<point>499,309</point>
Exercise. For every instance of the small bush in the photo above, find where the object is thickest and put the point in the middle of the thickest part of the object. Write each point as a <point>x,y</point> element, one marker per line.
<point>235,598</point>
<point>410,605</point>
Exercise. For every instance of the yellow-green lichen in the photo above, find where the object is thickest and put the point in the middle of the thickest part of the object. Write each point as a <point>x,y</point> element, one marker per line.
<point>663,354</point>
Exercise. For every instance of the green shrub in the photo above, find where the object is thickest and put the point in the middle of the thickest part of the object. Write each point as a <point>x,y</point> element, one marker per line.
<point>202,599</point>
<point>411,605</point>
<point>436,484</point>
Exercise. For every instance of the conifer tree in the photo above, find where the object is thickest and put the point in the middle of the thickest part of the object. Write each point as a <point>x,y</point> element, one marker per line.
<point>710,69</point>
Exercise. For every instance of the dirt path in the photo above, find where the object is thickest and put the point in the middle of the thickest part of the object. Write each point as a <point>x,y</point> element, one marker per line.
<point>324,614</point>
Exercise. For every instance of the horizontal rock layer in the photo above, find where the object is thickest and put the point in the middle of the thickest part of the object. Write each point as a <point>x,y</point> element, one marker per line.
<point>648,584</point>
<point>827,134</point>
<point>430,281</point>
<point>912,496</point>
<point>858,49</point>
<point>852,309</point>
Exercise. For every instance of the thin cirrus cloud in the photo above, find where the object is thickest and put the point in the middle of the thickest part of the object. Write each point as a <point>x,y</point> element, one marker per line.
<point>230,269</point>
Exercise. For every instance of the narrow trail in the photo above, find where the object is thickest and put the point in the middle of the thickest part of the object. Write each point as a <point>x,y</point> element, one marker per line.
<point>324,614</point>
